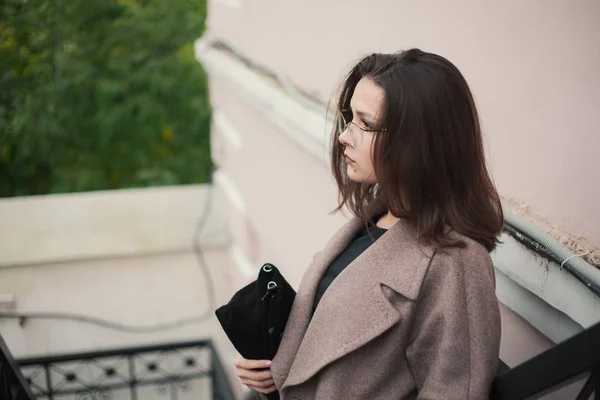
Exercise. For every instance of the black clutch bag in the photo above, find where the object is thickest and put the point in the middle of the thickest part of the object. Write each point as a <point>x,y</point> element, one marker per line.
<point>255,317</point>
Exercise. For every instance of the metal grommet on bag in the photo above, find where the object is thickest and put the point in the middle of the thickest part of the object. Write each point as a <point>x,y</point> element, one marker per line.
<point>271,285</point>
<point>267,268</point>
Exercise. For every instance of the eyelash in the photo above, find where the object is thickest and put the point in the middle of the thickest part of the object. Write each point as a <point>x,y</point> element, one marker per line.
<point>365,123</point>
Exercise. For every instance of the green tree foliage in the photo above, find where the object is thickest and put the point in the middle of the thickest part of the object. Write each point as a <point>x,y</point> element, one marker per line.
<point>101,94</point>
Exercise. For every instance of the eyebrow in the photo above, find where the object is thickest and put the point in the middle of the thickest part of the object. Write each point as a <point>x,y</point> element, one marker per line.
<point>367,115</point>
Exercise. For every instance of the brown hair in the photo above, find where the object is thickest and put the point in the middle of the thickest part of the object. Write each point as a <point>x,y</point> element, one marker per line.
<point>429,161</point>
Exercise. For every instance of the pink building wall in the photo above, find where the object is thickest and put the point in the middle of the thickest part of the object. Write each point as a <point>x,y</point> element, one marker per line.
<point>533,67</point>
<point>287,192</point>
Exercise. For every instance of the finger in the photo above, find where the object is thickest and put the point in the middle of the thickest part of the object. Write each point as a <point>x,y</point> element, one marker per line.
<point>265,390</point>
<point>241,362</point>
<point>259,384</point>
<point>254,375</point>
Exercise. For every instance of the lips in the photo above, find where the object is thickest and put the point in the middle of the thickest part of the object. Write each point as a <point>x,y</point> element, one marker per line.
<point>349,160</point>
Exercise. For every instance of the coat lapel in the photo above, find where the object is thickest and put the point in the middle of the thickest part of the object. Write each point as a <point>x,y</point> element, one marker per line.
<point>354,310</point>
<point>301,312</point>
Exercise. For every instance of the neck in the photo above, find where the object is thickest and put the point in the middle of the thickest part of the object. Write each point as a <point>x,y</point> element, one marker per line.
<point>387,220</point>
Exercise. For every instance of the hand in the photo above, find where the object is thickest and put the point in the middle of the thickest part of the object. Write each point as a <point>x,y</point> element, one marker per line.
<point>253,374</point>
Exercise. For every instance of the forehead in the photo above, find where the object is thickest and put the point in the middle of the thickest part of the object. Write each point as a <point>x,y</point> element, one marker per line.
<point>368,98</point>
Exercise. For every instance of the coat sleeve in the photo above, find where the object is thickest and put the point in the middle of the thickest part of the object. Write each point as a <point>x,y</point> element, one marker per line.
<point>454,349</point>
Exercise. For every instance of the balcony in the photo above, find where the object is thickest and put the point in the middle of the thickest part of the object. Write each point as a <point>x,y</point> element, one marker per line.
<point>110,295</point>
<point>185,370</point>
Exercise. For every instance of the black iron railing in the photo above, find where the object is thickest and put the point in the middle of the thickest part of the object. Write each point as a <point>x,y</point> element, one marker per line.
<point>178,371</point>
<point>570,361</point>
<point>13,385</point>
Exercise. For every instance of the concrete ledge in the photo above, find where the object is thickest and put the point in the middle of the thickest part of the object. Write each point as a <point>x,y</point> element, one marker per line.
<point>42,229</point>
<point>551,299</point>
<point>306,126</point>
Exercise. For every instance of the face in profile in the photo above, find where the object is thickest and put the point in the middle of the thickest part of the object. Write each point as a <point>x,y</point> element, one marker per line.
<point>359,125</point>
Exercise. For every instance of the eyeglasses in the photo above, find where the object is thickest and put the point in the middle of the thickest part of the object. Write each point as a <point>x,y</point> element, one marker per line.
<point>355,131</point>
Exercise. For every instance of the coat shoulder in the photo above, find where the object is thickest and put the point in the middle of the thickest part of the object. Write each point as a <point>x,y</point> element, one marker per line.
<point>470,261</point>
<point>470,252</point>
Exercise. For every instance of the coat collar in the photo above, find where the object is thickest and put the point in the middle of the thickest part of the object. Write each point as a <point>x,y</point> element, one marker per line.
<point>354,310</point>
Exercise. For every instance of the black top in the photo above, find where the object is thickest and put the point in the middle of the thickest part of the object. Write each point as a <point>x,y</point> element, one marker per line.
<point>363,239</point>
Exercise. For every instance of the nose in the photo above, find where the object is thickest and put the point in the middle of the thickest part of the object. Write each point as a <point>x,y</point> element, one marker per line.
<point>344,138</point>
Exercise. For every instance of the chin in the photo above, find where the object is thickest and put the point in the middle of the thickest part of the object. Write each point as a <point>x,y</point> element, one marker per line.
<point>358,176</point>
<point>355,174</point>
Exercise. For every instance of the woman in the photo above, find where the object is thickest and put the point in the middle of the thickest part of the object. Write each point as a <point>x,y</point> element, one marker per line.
<point>401,303</point>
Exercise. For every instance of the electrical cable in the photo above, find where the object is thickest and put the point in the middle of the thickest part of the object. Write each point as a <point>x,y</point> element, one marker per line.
<point>547,246</point>
<point>23,316</point>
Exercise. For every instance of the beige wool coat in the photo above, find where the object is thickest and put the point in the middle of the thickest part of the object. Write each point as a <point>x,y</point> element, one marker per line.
<point>402,321</point>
